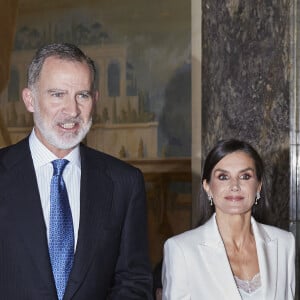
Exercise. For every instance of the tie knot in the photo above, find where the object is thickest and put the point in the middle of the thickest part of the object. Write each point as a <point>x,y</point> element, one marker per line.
<point>59,166</point>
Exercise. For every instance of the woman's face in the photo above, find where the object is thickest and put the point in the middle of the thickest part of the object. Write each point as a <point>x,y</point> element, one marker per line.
<point>233,184</point>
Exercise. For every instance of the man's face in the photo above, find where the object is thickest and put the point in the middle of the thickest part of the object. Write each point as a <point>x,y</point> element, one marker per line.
<point>62,102</point>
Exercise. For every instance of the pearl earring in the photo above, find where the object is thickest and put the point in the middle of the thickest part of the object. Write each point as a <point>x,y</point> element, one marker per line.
<point>257,197</point>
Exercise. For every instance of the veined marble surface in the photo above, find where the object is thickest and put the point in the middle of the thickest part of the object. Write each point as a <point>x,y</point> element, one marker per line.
<point>246,84</point>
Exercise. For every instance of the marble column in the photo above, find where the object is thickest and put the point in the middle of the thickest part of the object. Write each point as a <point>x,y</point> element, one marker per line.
<point>294,135</point>
<point>248,91</point>
<point>246,84</point>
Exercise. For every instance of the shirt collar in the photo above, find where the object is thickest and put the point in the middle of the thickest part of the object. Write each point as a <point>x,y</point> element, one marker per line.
<point>41,155</point>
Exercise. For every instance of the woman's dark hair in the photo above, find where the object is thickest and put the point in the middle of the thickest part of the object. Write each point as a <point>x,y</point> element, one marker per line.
<point>224,147</point>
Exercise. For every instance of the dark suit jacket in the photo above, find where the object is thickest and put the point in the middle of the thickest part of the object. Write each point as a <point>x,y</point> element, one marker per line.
<point>111,258</point>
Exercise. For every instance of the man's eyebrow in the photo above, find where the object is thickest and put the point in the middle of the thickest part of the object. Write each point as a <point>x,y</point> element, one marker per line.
<point>85,92</point>
<point>56,91</point>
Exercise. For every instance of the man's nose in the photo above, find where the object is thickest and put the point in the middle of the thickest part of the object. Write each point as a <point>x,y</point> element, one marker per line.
<point>71,107</point>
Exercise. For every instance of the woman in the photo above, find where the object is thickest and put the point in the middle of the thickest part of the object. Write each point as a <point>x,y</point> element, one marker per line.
<point>232,255</point>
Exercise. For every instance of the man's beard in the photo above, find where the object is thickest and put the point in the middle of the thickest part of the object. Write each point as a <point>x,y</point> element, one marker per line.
<point>65,140</point>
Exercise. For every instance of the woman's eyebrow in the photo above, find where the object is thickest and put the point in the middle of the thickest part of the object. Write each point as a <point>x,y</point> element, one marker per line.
<point>243,170</point>
<point>220,170</point>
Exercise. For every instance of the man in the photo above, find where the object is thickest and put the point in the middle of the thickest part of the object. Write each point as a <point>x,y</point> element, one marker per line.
<point>157,284</point>
<point>78,233</point>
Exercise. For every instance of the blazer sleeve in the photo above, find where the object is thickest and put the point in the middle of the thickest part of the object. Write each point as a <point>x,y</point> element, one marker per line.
<point>174,272</point>
<point>291,266</point>
<point>133,274</point>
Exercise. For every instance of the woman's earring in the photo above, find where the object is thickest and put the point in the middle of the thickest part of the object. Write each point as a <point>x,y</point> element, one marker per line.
<point>257,197</point>
<point>210,199</point>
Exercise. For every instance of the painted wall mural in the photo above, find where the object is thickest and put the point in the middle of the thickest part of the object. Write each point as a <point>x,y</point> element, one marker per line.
<point>142,54</point>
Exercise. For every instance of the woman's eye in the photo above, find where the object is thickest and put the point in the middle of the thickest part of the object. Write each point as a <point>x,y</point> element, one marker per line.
<point>246,176</point>
<point>222,177</point>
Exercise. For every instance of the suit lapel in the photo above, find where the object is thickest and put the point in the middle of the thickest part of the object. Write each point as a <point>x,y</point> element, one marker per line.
<point>216,262</point>
<point>214,255</point>
<point>267,251</point>
<point>95,196</point>
<point>27,212</point>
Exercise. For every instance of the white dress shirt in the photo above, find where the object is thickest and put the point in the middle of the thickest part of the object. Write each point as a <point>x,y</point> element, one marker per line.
<point>42,158</point>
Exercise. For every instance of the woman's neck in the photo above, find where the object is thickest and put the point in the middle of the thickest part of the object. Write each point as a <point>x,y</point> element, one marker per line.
<point>235,230</point>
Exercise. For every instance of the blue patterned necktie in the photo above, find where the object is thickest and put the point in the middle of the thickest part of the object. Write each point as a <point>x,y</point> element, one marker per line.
<point>61,233</point>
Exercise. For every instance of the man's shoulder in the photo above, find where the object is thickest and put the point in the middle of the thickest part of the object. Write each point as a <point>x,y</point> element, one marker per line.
<point>15,150</point>
<point>12,157</point>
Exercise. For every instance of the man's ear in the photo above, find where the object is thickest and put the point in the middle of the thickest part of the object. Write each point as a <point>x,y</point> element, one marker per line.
<point>28,99</point>
<point>96,96</point>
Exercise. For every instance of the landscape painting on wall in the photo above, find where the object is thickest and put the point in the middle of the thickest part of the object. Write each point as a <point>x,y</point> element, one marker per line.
<point>142,54</point>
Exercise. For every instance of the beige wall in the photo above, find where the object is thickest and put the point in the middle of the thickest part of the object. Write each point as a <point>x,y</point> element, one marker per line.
<point>112,137</point>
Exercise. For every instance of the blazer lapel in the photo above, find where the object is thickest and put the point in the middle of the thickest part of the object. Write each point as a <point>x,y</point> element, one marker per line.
<point>216,262</point>
<point>267,251</point>
<point>27,212</point>
<point>95,196</point>
<point>212,249</point>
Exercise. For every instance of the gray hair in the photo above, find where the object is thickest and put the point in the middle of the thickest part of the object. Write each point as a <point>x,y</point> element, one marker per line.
<point>64,51</point>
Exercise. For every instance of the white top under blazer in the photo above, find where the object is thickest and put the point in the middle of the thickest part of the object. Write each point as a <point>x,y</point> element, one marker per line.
<point>196,266</point>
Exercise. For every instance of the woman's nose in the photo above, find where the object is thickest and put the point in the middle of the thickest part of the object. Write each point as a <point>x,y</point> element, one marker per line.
<point>234,185</point>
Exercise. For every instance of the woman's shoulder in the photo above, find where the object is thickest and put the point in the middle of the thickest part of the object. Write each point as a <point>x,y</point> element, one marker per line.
<point>276,232</point>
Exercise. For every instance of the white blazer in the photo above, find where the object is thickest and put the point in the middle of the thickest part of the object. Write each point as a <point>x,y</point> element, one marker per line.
<point>196,266</point>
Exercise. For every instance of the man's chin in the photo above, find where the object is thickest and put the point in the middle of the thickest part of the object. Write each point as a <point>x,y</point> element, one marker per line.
<point>66,142</point>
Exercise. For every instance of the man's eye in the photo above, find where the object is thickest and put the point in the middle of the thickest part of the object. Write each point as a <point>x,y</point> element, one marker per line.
<point>222,177</point>
<point>83,96</point>
<point>57,94</point>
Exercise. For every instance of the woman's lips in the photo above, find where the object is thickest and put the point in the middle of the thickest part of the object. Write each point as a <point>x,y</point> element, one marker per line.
<point>234,198</point>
